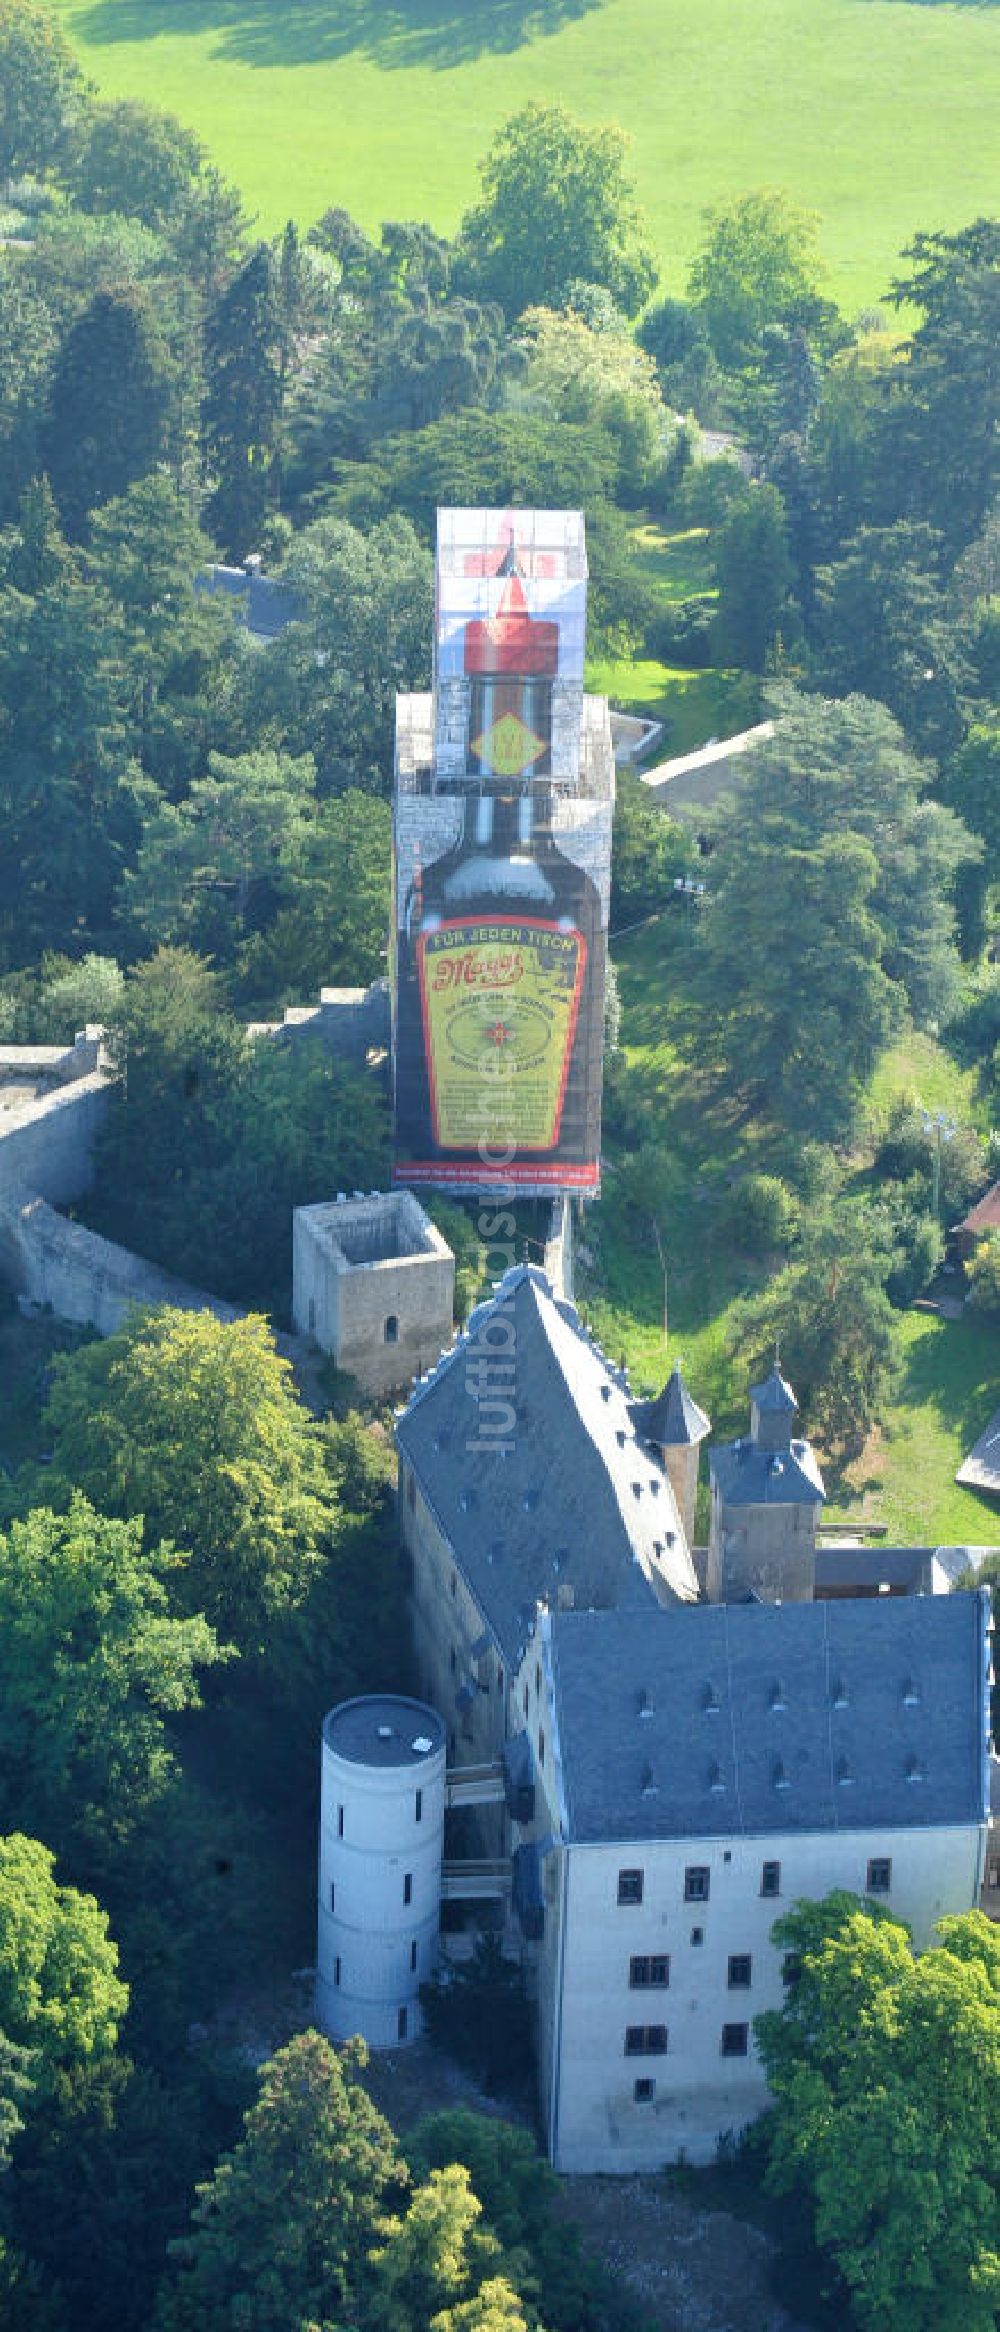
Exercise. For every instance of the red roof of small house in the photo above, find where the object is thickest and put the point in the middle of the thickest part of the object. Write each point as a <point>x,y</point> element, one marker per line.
<point>985,1215</point>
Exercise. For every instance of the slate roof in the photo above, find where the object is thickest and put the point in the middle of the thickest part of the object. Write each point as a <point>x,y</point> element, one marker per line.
<point>774,1394</point>
<point>764,1718</point>
<point>576,1504</point>
<point>673,1420</point>
<point>267,605</point>
<point>748,1475</point>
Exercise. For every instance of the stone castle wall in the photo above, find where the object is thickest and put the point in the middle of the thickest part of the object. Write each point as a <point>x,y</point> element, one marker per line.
<point>60,1264</point>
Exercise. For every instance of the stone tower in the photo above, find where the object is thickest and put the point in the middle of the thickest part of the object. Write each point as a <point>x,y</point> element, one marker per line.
<point>767,1490</point>
<point>676,1427</point>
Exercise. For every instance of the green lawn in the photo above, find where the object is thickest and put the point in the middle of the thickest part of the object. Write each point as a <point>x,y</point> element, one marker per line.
<point>880,114</point>
<point>949,1391</point>
<point>694,1144</point>
<point>693,705</point>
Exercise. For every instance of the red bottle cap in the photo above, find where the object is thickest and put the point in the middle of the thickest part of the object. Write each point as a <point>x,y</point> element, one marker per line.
<point>513,640</point>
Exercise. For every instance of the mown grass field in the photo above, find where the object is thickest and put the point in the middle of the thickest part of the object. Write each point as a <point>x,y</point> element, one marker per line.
<point>950,1375</point>
<point>882,115</point>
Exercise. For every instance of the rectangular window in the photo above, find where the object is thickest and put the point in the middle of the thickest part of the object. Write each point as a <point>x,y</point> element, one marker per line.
<point>408,1887</point>
<point>526,1700</point>
<point>333,1895</point>
<point>740,1971</point>
<point>453,1583</point>
<point>644,2091</point>
<point>645,2040</point>
<point>770,1878</point>
<point>649,1970</point>
<point>735,2040</point>
<point>879,1875</point>
<point>401,2025</point>
<point>541,1746</point>
<point>413,1959</point>
<point>340,1821</point>
<point>697,1935</point>
<point>697,1880</point>
<point>336,1969</point>
<point>630,1886</point>
<point>418,1811</point>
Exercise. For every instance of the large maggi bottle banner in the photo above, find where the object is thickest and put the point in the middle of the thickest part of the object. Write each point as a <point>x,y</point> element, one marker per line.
<point>501,882</point>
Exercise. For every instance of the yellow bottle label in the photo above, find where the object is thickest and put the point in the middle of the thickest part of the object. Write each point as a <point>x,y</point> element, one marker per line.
<point>500,1001</point>
<point>509,748</point>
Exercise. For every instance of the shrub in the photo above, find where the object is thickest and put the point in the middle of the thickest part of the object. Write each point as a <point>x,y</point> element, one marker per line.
<point>983,1274</point>
<point>763,1216</point>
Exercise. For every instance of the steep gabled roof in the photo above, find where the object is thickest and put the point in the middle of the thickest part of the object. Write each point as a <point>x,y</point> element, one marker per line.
<point>558,1501</point>
<point>985,1215</point>
<point>751,1719</point>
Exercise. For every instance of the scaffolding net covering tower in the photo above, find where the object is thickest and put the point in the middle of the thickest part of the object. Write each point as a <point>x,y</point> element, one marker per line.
<point>502,870</point>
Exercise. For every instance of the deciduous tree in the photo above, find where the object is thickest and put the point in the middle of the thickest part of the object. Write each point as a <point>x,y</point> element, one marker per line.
<point>92,1661</point>
<point>191,1421</point>
<point>757,266</point>
<point>556,206</point>
<point>60,1993</point>
<point>41,89</point>
<point>882,2064</point>
<point>134,158</point>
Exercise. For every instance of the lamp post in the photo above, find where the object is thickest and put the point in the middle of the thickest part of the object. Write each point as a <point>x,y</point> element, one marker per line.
<point>689,890</point>
<point>943,1129</point>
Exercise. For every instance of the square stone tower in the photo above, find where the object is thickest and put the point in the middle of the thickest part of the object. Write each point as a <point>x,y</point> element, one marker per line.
<point>767,1490</point>
<point>373,1283</point>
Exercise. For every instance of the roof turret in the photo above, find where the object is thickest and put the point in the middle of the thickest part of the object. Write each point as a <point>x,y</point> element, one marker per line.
<point>673,1420</point>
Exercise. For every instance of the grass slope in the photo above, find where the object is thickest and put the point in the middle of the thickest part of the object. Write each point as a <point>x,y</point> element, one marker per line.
<point>876,113</point>
<point>696,1144</point>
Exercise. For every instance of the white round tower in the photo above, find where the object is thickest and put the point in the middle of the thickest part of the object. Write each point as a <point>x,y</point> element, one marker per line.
<point>380,1850</point>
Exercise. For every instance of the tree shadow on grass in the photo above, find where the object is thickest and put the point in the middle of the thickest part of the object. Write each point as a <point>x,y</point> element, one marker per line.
<point>392,34</point>
<point>955,1371</point>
